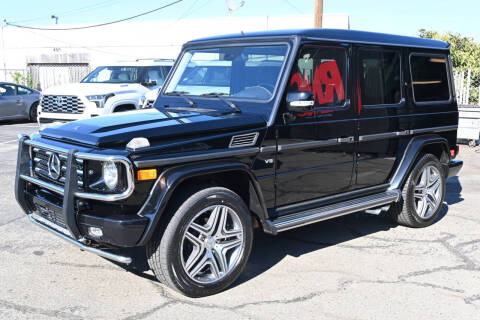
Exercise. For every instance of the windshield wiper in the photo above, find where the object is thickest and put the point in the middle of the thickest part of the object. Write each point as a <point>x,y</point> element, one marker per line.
<point>182,94</point>
<point>219,96</point>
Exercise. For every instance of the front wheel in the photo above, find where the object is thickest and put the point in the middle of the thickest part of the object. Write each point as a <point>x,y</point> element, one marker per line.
<point>205,245</point>
<point>33,112</point>
<point>422,194</point>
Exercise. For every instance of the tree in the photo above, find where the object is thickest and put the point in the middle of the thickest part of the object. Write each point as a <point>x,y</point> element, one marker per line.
<point>464,50</point>
<point>465,53</point>
<point>19,78</point>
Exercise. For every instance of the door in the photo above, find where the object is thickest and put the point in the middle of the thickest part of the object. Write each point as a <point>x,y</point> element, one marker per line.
<point>315,149</point>
<point>381,112</point>
<point>10,103</point>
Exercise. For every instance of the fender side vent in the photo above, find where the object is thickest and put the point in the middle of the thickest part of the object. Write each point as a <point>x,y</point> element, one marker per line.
<point>244,140</point>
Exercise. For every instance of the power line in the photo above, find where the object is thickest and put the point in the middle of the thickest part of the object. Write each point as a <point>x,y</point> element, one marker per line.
<point>292,5</point>
<point>74,11</point>
<point>97,25</point>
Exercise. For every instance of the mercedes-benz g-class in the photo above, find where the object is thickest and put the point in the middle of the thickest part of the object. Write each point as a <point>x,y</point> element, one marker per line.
<point>277,129</point>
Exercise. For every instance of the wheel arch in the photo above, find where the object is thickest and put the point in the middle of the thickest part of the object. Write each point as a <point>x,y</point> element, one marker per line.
<point>418,145</point>
<point>127,105</point>
<point>235,176</point>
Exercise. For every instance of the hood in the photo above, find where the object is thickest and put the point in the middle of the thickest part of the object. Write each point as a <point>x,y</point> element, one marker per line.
<point>85,89</point>
<point>118,129</point>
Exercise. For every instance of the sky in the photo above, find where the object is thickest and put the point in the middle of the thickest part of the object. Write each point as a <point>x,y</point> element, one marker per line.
<point>398,17</point>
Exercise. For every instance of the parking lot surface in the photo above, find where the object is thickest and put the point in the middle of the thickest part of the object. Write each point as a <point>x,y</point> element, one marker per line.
<point>355,267</point>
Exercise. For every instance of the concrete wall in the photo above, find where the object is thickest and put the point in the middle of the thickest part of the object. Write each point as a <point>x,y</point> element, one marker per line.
<point>132,40</point>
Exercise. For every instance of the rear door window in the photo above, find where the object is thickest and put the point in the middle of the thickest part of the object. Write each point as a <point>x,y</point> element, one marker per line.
<point>23,91</point>
<point>380,80</point>
<point>429,78</point>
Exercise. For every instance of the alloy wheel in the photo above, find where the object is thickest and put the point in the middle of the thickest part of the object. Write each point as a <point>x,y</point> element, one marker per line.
<point>212,244</point>
<point>428,192</point>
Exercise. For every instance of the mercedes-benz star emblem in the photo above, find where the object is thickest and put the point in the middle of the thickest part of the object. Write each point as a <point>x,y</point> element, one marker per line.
<point>58,101</point>
<point>54,166</point>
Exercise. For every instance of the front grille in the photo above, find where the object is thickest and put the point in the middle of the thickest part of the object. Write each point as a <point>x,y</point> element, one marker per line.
<point>40,169</point>
<point>62,104</point>
<point>52,216</point>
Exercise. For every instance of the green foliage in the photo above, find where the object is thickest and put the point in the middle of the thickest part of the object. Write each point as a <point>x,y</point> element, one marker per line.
<point>465,51</point>
<point>19,78</point>
<point>465,54</point>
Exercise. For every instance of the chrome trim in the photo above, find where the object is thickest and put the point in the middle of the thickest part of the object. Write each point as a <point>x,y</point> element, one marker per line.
<point>268,149</point>
<point>196,157</point>
<point>44,146</point>
<point>251,141</point>
<point>386,135</point>
<point>308,144</point>
<point>80,157</point>
<point>108,255</point>
<point>336,210</point>
<point>435,129</point>
<point>51,224</point>
<point>43,184</point>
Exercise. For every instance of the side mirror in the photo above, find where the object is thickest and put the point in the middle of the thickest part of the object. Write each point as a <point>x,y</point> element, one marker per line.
<point>150,83</point>
<point>300,101</point>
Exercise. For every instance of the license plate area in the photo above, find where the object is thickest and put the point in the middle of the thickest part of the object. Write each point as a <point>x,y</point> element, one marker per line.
<point>50,214</point>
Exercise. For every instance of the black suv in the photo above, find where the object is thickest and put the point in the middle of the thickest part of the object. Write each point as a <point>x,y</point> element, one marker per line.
<point>274,130</point>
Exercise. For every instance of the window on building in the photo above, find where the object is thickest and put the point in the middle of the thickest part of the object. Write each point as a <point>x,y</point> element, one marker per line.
<point>429,78</point>
<point>380,77</point>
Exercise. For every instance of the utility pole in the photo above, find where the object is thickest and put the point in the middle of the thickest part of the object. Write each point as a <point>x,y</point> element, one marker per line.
<point>318,20</point>
<point>4,23</point>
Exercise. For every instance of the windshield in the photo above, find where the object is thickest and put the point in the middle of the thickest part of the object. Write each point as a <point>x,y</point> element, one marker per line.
<point>116,74</point>
<point>248,72</point>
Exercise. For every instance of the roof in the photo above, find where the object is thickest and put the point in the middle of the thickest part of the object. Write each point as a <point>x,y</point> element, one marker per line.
<point>337,35</point>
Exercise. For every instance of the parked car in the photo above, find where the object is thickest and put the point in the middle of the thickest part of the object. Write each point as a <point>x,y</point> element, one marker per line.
<point>107,89</point>
<point>18,102</point>
<point>307,125</point>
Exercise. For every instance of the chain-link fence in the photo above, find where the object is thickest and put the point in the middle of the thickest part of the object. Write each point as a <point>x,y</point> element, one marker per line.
<point>467,85</point>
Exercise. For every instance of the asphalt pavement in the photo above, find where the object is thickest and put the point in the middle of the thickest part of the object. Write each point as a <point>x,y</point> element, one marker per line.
<point>355,267</point>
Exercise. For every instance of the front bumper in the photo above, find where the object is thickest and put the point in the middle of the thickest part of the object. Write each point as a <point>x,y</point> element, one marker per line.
<point>454,168</point>
<point>118,230</point>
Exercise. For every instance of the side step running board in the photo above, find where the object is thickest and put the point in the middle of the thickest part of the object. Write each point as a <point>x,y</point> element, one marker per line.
<point>299,219</point>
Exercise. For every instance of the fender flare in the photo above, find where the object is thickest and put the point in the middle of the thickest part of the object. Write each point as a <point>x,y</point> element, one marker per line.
<point>411,153</point>
<point>121,99</point>
<point>158,199</point>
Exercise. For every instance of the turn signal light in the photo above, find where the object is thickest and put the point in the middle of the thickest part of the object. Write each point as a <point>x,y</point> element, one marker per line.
<point>147,174</point>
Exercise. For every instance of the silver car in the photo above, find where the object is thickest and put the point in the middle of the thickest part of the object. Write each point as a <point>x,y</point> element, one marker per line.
<point>18,102</point>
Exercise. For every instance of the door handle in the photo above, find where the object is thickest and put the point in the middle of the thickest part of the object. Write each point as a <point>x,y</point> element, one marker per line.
<point>346,140</point>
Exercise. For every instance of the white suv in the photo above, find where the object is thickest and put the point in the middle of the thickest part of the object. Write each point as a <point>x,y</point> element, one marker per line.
<point>106,89</point>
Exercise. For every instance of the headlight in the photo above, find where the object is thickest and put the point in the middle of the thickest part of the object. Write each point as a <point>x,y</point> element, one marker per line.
<point>100,99</point>
<point>110,174</point>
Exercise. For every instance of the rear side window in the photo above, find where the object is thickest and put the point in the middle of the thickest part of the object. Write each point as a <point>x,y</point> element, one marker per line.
<point>380,77</point>
<point>429,78</point>
<point>321,70</point>
<point>23,91</point>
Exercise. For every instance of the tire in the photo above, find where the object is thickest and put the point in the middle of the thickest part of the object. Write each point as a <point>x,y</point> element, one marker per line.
<point>411,210</point>
<point>32,115</point>
<point>123,109</point>
<point>171,251</point>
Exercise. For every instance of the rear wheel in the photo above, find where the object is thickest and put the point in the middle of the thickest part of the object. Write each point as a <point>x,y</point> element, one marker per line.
<point>205,245</point>
<point>422,194</point>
